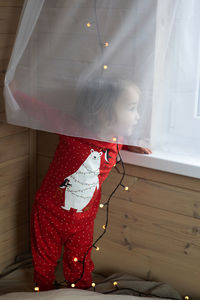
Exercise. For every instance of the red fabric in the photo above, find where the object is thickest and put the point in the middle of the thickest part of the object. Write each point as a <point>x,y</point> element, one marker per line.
<point>52,226</point>
<point>45,114</point>
<point>124,147</point>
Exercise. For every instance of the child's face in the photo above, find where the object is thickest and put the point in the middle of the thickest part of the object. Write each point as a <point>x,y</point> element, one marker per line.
<point>126,111</point>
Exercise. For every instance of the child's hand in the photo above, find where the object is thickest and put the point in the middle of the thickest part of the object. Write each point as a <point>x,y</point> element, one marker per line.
<point>141,150</point>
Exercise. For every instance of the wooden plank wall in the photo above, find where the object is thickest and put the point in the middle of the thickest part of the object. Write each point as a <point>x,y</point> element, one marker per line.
<point>14,155</point>
<point>154,227</point>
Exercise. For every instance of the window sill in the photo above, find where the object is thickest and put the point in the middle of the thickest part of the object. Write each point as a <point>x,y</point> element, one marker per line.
<point>186,165</point>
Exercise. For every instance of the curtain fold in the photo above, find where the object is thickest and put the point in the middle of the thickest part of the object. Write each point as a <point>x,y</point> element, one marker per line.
<point>113,68</point>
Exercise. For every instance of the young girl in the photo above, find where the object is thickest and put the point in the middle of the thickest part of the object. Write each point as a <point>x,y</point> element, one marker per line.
<point>67,201</point>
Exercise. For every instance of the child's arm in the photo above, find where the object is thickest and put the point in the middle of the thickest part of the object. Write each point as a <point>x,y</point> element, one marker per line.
<point>136,149</point>
<point>44,113</point>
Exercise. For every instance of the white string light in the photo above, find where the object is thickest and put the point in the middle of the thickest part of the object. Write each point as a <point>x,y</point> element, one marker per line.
<point>93,285</point>
<point>125,187</point>
<point>75,259</point>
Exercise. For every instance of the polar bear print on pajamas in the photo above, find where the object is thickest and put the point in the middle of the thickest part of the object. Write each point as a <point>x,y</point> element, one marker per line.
<point>81,185</point>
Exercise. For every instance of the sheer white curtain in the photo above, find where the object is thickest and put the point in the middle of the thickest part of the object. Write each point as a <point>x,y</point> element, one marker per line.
<point>175,123</point>
<point>79,67</point>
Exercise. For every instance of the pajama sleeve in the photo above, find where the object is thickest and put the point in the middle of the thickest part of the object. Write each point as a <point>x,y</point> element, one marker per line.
<point>45,114</point>
<point>124,147</point>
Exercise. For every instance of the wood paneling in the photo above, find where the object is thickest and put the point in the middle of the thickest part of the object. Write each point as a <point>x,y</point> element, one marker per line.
<point>9,18</point>
<point>165,177</point>
<point>179,200</point>
<point>13,170</point>
<point>12,194</point>
<point>3,67</point>
<point>14,154</point>
<point>6,44</point>
<point>32,167</point>
<point>7,129</point>
<point>14,146</point>
<point>11,3</point>
<point>2,105</point>
<point>46,143</point>
<point>13,243</point>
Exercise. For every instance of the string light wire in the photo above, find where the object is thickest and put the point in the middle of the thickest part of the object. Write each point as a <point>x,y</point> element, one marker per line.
<point>139,293</point>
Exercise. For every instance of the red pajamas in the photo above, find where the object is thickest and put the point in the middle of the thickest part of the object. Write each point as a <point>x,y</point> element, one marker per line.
<point>65,208</point>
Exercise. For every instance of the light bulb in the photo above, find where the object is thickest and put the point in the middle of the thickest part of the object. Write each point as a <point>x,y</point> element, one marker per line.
<point>36,289</point>
<point>73,285</point>
<point>97,248</point>
<point>105,67</point>
<point>114,139</point>
<point>115,283</point>
<point>106,44</point>
<point>88,24</point>
<point>104,226</point>
<point>75,259</point>
<point>101,205</point>
<point>115,165</point>
<point>93,284</point>
<point>126,188</point>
